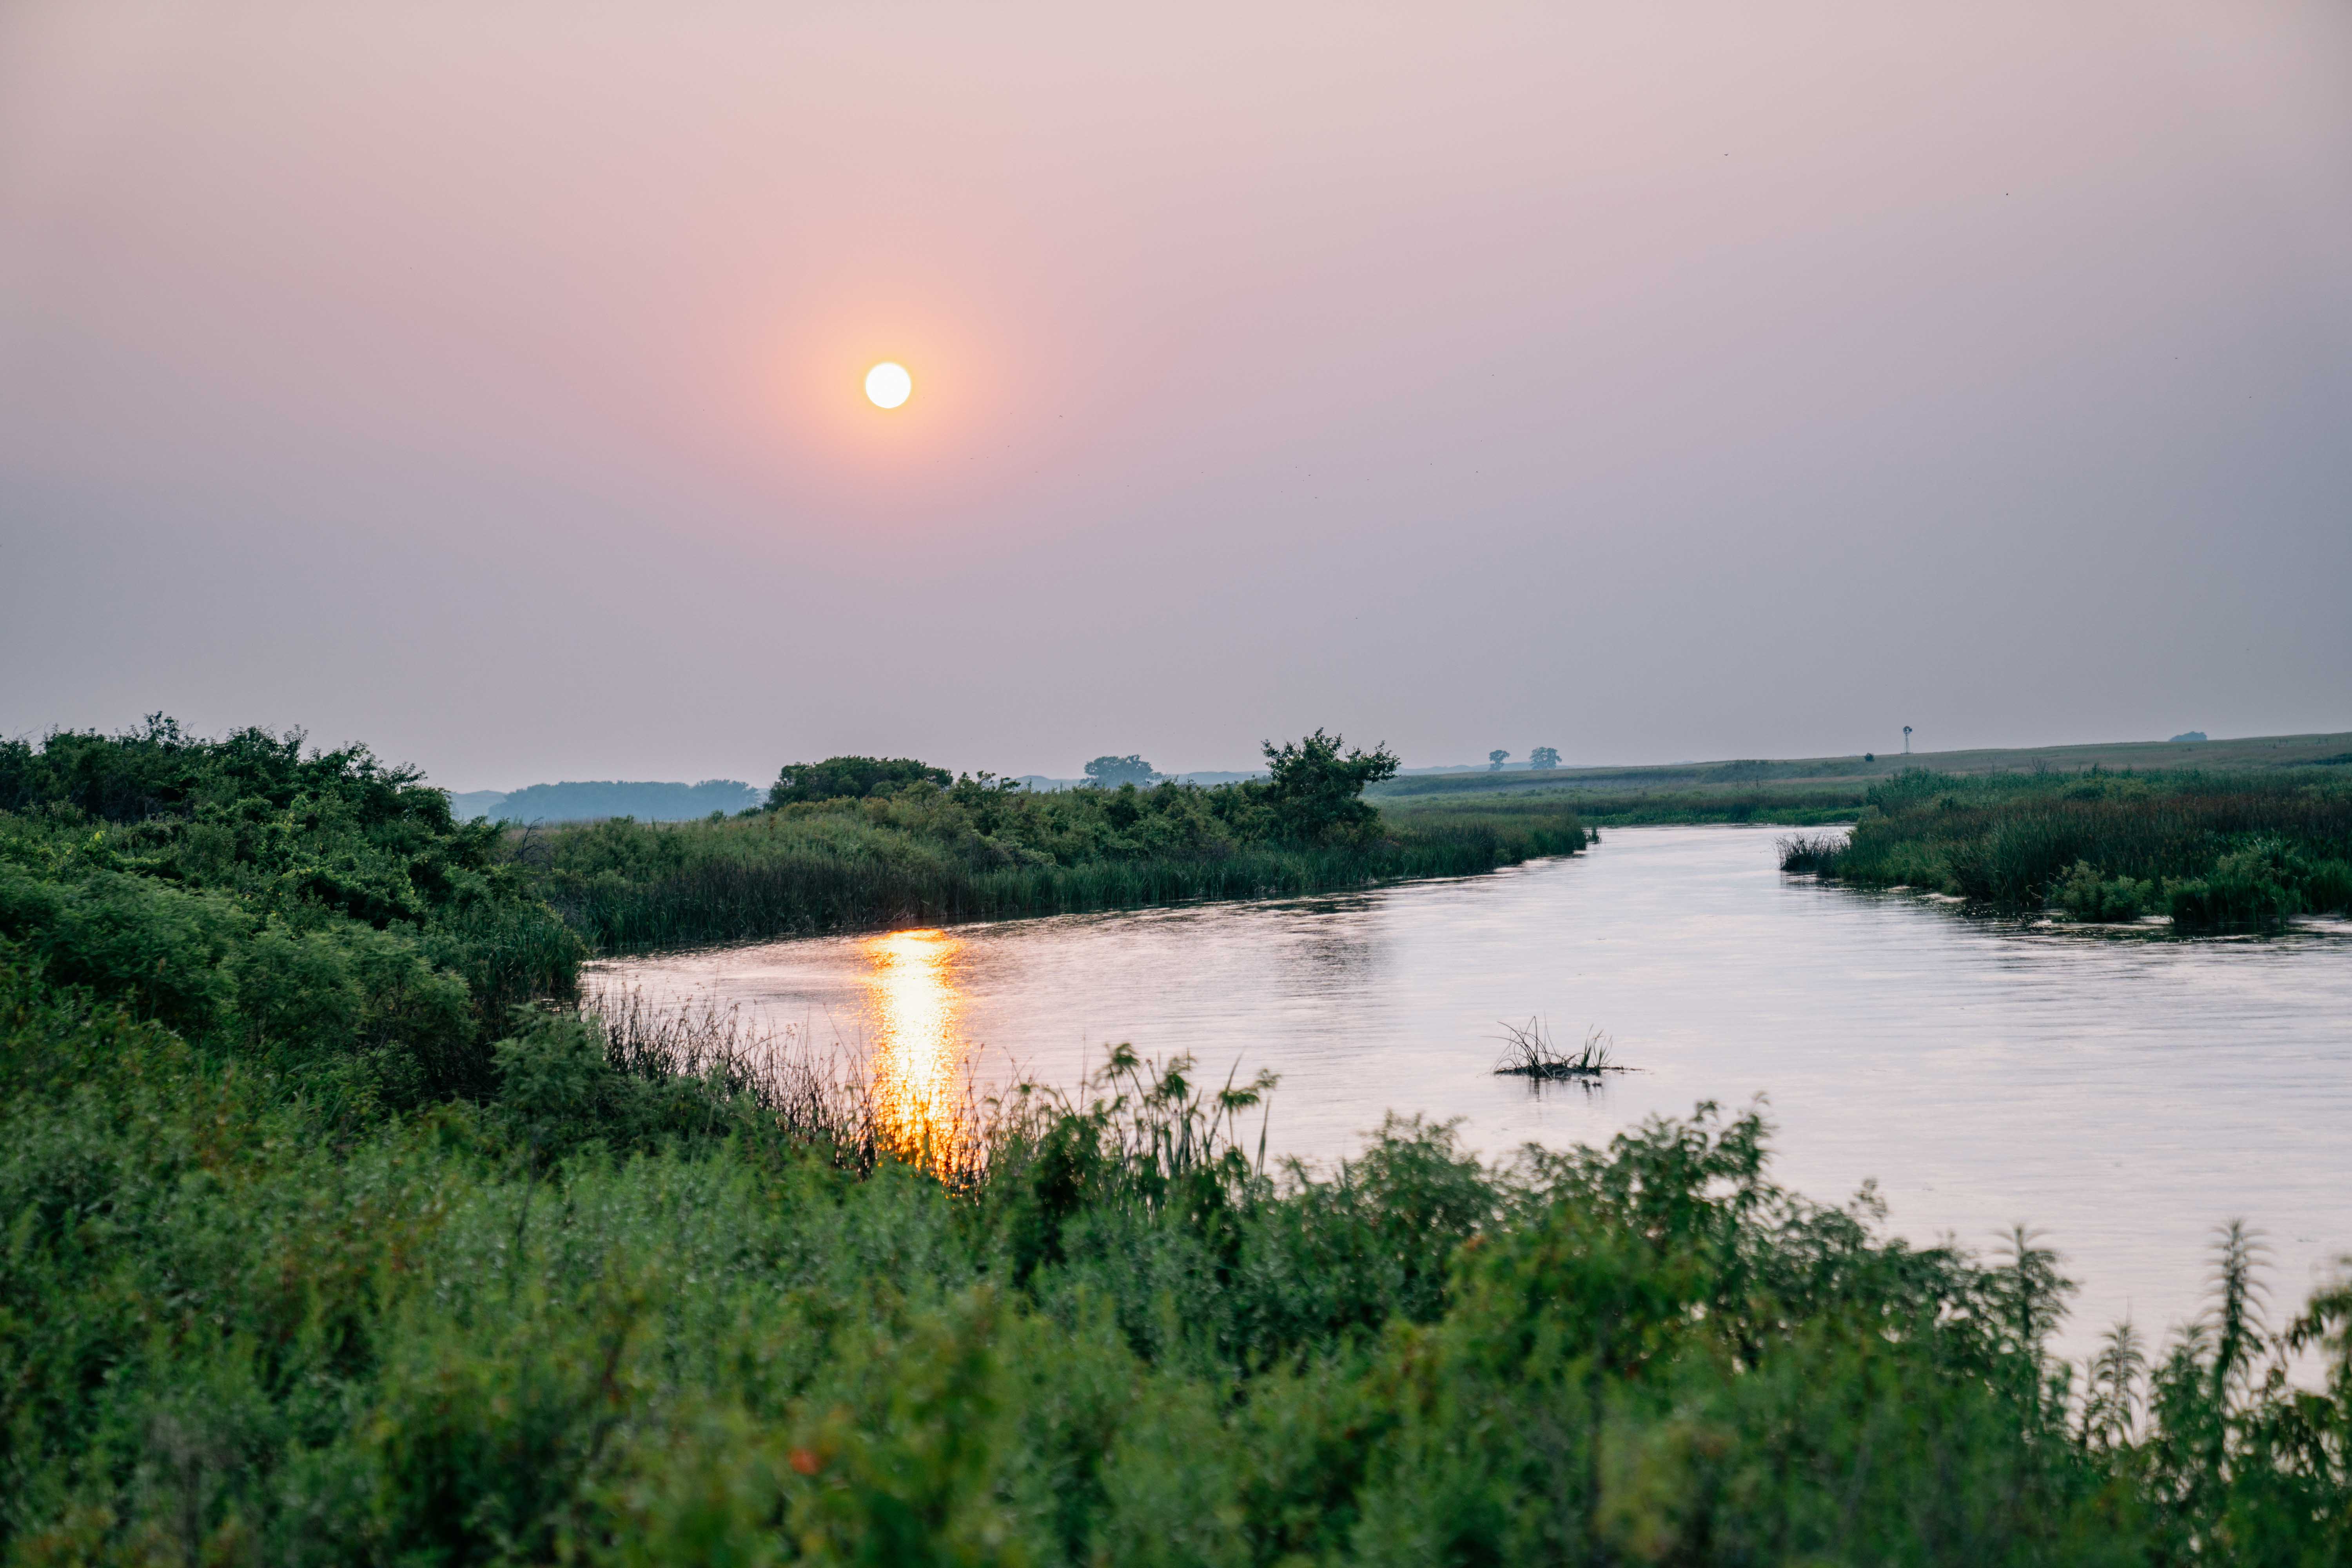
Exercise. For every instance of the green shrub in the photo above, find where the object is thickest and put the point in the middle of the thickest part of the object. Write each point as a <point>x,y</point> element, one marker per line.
<point>2257,888</point>
<point>2087,896</point>
<point>850,778</point>
<point>320,915</point>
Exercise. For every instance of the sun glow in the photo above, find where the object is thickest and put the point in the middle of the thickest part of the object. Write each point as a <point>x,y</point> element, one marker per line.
<point>887,384</point>
<point>920,1053</point>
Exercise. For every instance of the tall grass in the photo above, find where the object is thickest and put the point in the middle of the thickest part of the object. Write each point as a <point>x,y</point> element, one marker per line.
<point>1790,804</point>
<point>1529,1051</point>
<point>655,1300</point>
<point>822,1095</point>
<point>2214,851</point>
<point>632,886</point>
<point>1815,852</point>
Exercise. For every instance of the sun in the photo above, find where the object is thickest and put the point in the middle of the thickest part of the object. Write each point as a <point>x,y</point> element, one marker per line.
<point>887,384</point>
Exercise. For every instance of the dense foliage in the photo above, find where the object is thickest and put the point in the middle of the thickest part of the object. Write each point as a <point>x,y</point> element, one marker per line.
<point>2213,851</point>
<point>321,915</point>
<point>1110,772</point>
<point>985,847</point>
<point>596,1315</point>
<point>319,1244</point>
<point>850,778</point>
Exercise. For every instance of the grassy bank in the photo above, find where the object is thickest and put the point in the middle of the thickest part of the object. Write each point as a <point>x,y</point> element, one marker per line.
<point>977,850</point>
<point>327,1243</point>
<point>604,1312</point>
<point>2213,851</point>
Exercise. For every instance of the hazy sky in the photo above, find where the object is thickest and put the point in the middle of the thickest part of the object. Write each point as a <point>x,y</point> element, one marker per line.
<point>1654,381</point>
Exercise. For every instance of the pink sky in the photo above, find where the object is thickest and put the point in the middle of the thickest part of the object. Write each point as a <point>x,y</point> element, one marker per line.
<point>1690,381</point>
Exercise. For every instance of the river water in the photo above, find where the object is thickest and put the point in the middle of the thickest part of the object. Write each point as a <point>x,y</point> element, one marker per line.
<point>2122,1094</point>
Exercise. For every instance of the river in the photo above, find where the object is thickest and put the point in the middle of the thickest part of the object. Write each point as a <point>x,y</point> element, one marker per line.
<point>2121,1094</point>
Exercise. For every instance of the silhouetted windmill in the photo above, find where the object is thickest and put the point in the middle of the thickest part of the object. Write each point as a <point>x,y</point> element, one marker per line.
<point>1907,740</point>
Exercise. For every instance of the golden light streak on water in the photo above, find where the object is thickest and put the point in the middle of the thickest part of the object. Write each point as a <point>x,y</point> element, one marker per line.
<point>917,1045</point>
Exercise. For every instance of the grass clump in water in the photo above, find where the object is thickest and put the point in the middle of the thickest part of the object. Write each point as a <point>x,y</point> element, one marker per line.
<point>1529,1052</point>
<point>1815,852</point>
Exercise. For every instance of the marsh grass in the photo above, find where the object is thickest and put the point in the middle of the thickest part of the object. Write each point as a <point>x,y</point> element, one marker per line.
<point>631,886</point>
<point>1529,1052</point>
<point>823,1095</point>
<point>1671,801</point>
<point>2243,852</point>
<point>1817,853</point>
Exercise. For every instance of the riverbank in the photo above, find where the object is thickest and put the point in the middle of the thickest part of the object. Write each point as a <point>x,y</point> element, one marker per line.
<point>618,1313</point>
<point>2213,851</point>
<point>932,857</point>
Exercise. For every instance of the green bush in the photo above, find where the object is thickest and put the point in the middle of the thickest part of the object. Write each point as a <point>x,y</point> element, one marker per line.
<point>320,916</point>
<point>2087,896</point>
<point>850,778</point>
<point>2254,889</point>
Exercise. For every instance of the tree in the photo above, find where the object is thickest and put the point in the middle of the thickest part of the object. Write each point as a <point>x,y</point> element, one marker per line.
<point>1496,759</point>
<point>1317,793</point>
<point>1544,757</point>
<point>850,778</point>
<point>1112,772</point>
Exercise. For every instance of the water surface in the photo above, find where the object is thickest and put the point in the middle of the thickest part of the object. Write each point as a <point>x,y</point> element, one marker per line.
<point>2122,1095</point>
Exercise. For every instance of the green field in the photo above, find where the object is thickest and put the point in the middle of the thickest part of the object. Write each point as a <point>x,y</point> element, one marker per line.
<point>1809,790</point>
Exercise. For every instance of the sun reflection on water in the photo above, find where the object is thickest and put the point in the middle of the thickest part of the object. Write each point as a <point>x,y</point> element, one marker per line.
<point>918,1046</point>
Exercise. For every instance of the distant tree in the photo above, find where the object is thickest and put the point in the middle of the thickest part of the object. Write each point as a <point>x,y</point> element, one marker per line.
<point>647,801</point>
<point>1317,791</point>
<point>1544,757</point>
<point>850,778</point>
<point>1496,759</point>
<point>1112,772</point>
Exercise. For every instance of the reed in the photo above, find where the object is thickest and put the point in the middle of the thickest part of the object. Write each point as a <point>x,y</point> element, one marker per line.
<point>1817,854</point>
<point>1529,1052</point>
<point>630,886</point>
<point>823,1097</point>
<point>2214,851</point>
